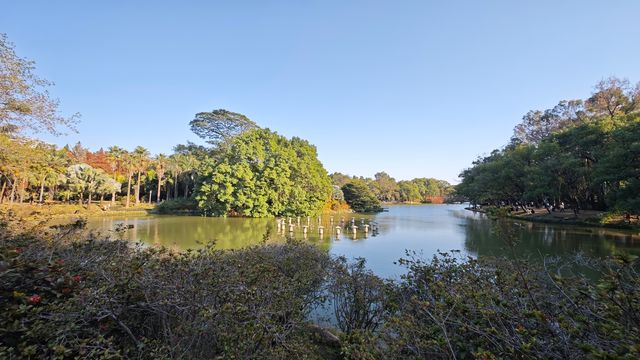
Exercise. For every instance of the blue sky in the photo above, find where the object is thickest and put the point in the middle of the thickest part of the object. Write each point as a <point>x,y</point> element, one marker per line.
<point>414,88</point>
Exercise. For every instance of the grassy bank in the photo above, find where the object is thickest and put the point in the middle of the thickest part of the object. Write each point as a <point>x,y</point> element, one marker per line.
<point>66,294</point>
<point>52,211</point>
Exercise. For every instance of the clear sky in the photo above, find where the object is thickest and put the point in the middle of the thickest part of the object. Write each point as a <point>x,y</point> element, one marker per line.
<point>414,88</point>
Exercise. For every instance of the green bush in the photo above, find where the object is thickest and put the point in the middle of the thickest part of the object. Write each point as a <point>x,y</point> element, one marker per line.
<point>177,206</point>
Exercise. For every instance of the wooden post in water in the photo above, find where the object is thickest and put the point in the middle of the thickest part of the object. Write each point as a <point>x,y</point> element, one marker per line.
<point>366,229</point>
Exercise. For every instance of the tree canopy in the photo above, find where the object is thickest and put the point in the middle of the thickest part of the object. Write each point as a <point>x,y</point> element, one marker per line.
<point>263,174</point>
<point>588,159</point>
<point>360,198</point>
<point>220,125</point>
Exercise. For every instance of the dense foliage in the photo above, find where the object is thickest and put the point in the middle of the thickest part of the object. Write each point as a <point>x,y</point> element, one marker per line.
<point>64,294</point>
<point>260,173</point>
<point>360,198</point>
<point>586,154</point>
<point>387,189</point>
<point>32,171</point>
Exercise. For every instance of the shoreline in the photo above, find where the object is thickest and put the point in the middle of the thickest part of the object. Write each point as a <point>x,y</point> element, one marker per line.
<point>587,218</point>
<point>61,211</point>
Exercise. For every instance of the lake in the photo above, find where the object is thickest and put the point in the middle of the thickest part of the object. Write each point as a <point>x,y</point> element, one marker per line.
<point>421,228</point>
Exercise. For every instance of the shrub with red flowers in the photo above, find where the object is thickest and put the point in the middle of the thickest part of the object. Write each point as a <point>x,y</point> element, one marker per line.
<point>34,299</point>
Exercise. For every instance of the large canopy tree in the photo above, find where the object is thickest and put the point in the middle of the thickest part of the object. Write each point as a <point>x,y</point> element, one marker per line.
<point>263,174</point>
<point>220,125</point>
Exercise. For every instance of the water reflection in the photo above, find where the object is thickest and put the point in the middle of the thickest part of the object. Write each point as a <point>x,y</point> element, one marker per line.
<point>425,229</point>
<point>536,239</point>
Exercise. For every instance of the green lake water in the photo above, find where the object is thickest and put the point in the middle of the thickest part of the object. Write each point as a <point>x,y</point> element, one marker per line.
<point>421,228</point>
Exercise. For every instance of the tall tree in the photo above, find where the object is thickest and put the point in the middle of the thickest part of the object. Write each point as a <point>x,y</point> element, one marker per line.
<point>24,100</point>
<point>174,166</point>
<point>130,165</point>
<point>141,159</point>
<point>613,96</point>
<point>115,157</point>
<point>160,165</point>
<point>385,187</point>
<point>220,125</point>
<point>188,165</point>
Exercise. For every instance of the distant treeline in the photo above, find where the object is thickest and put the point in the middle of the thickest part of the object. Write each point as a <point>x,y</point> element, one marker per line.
<point>387,189</point>
<point>585,153</point>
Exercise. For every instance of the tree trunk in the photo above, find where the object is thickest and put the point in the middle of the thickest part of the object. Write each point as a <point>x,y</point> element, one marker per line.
<point>81,199</point>
<point>138,189</point>
<point>23,186</point>
<point>89,201</point>
<point>101,199</point>
<point>175,186</point>
<point>129,188</point>
<point>4,187</point>
<point>41,190</point>
<point>113,193</point>
<point>186,188</point>
<point>13,190</point>
<point>159,185</point>
<point>150,192</point>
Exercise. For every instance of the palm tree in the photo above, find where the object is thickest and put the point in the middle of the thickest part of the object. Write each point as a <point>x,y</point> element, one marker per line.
<point>189,163</point>
<point>141,158</point>
<point>174,165</point>
<point>160,164</point>
<point>115,155</point>
<point>129,164</point>
<point>83,178</point>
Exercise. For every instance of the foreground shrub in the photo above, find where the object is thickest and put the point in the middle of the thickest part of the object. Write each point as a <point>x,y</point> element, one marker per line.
<point>498,308</point>
<point>95,298</point>
<point>66,294</point>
